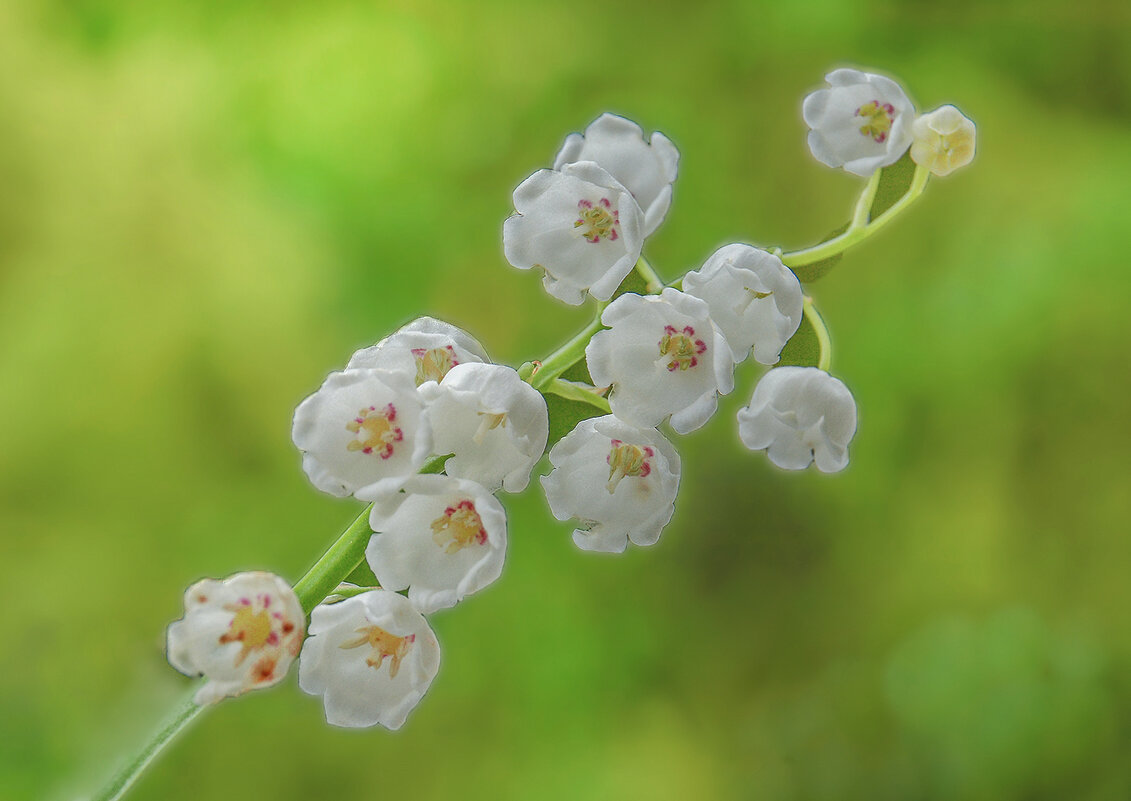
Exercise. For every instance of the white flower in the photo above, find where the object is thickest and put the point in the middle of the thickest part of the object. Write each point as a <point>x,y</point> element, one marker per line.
<point>241,633</point>
<point>862,122</point>
<point>361,427</point>
<point>800,415</point>
<point>662,356</point>
<point>493,422</point>
<point>617,480</point>
<point>944,140</point>
<point>442,538</point>
<point>580,225</point>
<point>423,350</point>
<point>755,300</point>
<point>646,169</point>
<point>370,657</point>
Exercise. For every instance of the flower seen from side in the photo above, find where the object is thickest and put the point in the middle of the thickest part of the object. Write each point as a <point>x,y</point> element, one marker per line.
<point>241,634</point>
<point>617,480</point>
<point>580,225</point>
<point>754,299</point>
<point>800,416</point>
<point>662,355</point>
<point>441,539</point>
<point>493,422</point>
<point>646,169</point>
<point>862,122</point>
<point>370,657</point>
<point>943,140</point>
<point>362,427</point>
<point>424,350</point>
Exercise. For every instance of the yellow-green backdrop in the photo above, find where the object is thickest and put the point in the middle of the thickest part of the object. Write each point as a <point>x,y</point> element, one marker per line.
<point>207,206</point>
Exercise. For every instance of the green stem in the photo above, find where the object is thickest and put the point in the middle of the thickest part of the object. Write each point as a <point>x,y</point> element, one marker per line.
<point>567,355</point>
<point>860,228</point>
<point>327,573</point>
<point>824,343</point>
<point>339,561</point>
<point>652,282</point>
<point>579,392</point>
<point>349,591</point>
<point>185,713</point>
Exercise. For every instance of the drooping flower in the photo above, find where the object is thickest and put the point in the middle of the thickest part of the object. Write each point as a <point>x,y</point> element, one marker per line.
<point>800,415</point>
<point>494,423</point>
<point>662,355</point>
<point>754,299</point>
<point>423,350</point>
<point>861,122</point>
<point>580,225</point>
<point>370,657</point>
<point>943,140</point>
<point>646,169</point>
<point>617,480</point>
<point>362,427</point>
<point>241,634</point>
<point>441,539</point>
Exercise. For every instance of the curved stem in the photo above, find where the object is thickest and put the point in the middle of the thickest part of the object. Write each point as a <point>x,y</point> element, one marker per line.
<point>860,228</point>
<point>567,355</point>
<point>320,581</point>
<point>579,392</point>
<point>652,282</point>
<point>185,713</point>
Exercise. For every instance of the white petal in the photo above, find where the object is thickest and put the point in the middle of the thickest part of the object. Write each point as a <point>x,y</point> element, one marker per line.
<point>361,427</point>
<point>438,567</point>
<point>754,299</point>
<point>579,255</point>
<point>494,423</point>
<point>643,489</point>
<point>420,349</point>
<point>354,674</point>
<point>662,356</point>
<point>241,634</point>
<point>844,134</point>
<point>800,415</point>
<point>646,169</point>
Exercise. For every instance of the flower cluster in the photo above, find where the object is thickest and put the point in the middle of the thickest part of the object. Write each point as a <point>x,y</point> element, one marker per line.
<point>428,430</point>
<point>864,121</point>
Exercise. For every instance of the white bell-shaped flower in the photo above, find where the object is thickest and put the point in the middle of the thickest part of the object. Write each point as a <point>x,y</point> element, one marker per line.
<point>370,657</point>
<point>800,415</point>
<point>943,140</point>
<point>362,427</point>
<point>441,539</point>
<point>493,422</point>
<point>580,225</point>
<point>861,122</point>
<point>646,169</point>
<point>424,350</point>
<point>618,481</point>
<point>662,355</point>
<point>241,634</point>
<point>754,299</point>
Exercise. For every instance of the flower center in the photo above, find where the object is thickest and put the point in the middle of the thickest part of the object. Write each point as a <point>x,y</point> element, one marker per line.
<point>878,118</point>
<point>459,527</point>
<point>749,296</point>
<point>384,646</point>
<point>680,349</point>
<point>490,422</point>
<point>598,220</point>
<point>627,460</point>
<point>375,431</point>
<point>434,364</point>
<point>250,627</point>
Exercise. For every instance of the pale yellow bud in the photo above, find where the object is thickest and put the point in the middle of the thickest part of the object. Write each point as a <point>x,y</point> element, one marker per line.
<point>943,140</point>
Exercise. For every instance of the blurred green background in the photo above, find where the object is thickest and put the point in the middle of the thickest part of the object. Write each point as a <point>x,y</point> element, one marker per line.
<point>205,207</point>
